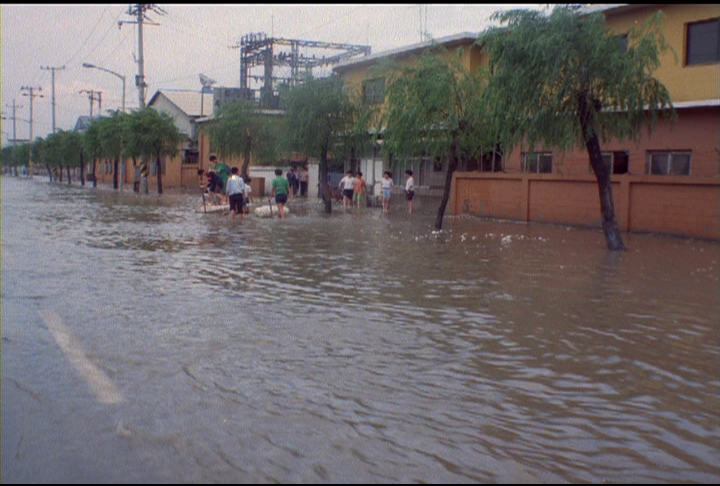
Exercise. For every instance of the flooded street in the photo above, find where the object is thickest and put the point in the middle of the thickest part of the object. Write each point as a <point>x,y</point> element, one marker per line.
<point>143,342</point>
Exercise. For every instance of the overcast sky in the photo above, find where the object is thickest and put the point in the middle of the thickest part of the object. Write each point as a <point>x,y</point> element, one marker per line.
<point>187,41</point>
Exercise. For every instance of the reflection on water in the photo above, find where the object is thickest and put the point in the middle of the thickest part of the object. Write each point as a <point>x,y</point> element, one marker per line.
<point>355,347</point>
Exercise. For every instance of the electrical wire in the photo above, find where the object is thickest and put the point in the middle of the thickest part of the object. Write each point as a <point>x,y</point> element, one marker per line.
<point>88,37</point>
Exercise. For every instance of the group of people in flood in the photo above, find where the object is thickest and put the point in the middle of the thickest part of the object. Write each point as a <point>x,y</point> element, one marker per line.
<point>354,187</point>
<point>223,186</point>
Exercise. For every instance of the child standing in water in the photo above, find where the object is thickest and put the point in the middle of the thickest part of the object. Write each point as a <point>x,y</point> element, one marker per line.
<point>409,189</point>
<point>387,184</point>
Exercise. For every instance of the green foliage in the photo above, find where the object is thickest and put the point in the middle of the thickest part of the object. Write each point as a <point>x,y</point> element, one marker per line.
<point>318,115</point>
<point>8,156</point>
<point>21,154</point>
<point>545,69</point>
<point>147,132</point>
<point>433,106</point>
<point>240,128</point>
<point>37,151</point>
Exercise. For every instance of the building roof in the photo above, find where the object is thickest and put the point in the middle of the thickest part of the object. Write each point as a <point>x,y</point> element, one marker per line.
<point>613,7</point>
<point>82,123</point>
<point>447,41</point>
<point>187,101</point>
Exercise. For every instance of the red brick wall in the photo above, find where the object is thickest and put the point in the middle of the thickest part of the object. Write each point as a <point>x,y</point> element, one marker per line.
<point>688,206</point>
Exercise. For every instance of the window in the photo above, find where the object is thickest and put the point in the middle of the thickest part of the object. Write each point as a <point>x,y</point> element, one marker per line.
<point>153,167</point>
<point>616,162</point>
<point>703,42</point>
<point>622,41</point>
<point>374,91</point>
<point>669,163</point>
<point>492,161</point>
<point>537,162</point>
<point>421,167</point>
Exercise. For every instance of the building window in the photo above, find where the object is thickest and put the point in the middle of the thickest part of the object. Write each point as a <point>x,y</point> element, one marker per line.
<point>622,41</point>
<point>669,163</point>
<point>616,162</point>
<point>153,167</point>
<point>537,162</point>
<point>374,91</point>
<point>703,42</point>
<point>421,167</point>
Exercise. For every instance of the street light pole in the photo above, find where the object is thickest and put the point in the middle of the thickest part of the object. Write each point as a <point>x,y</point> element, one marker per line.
<point>88,65</point>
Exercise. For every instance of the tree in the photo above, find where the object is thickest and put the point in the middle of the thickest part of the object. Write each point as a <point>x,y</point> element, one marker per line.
<point>39,155</point>
<point>434,108</point>
<point>92,146</point>
<point>71,150</point>
<point>240,129</point>
<point>563,80</point>
<point>21,155</point>
<point>152,133</point>
<point>106,138</point>
<point>317,116</point>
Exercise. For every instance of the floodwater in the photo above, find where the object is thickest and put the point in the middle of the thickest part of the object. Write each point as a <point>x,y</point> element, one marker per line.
<point>143,342</point>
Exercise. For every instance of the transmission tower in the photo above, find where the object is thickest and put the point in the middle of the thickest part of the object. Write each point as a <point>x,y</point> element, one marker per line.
<point>257,49</point>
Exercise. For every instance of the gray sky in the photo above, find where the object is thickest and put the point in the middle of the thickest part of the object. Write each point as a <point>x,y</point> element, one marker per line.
<point>189,40</point>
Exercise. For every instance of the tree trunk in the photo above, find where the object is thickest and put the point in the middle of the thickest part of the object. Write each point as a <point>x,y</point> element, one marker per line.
<point>82,170</point>
<point>246,157</point>
<point>159,173</point>
<point>602,174</point>
<point>323,183</point>
<point>143,174</point>
<point>94,172</point>
<point>50,174</point>
<point>67,169</point>
<point>452,166</point>
<point>115,173</point>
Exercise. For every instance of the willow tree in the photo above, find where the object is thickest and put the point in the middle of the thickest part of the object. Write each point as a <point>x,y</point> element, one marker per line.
<point>318,114</point>
<point>434,107</point>
<point>241,129</point>
<point>564,80</point>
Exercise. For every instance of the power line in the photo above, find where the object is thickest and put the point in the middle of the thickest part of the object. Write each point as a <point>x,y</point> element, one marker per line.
<point>88,37</point>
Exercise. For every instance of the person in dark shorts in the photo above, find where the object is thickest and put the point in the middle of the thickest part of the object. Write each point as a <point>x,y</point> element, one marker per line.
<point>409,190</point>
<point>214,185</point>
<point>235,192</point>
<point>280,190</point>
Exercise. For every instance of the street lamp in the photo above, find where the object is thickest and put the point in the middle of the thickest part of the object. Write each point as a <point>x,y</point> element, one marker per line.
<point>88,65</point>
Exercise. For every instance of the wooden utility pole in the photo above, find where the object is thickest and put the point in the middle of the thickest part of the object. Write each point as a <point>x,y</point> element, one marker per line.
<point>139,10</point>
<point>30,92</point>
<point>52,70</point>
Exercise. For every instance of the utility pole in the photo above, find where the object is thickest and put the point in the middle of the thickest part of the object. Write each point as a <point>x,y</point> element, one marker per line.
<point>139,10</point>
<point>52,70</point>
<point>91,93</point>
<point>30,91</point>
<point>14,106</point>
